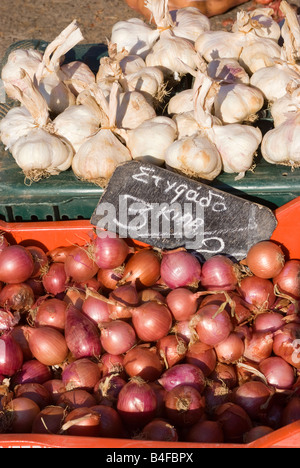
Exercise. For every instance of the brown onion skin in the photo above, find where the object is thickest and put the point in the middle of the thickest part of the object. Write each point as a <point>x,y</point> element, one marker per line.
<point>142,269</point>
<point>16,263</point>
<point>82,373</point>
<point>51,313</point>
<point>278,372</point>
<point>265,259</point>
<point>49,420</point>
<point>48,345</point>
<point>35,392</point>
<point>171,349</point>
<point>288,280</point>
<point>184,405</point>
<point>24,412</point>
<point>252,396</point>
<point>144,363</point>
<point>231,349</point>
<point>86,423</point>
<point>77,398</point>
<point>212,326</point>
<point>203,356</point>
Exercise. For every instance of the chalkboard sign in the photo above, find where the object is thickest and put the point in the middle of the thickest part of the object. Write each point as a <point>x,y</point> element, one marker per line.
<point>167,210</point>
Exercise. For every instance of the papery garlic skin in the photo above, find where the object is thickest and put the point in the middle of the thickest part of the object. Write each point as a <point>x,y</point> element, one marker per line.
<point>169,52</point>
<point>187,125</point>
<point>181,102</point>
<point>237,145</point>
<point>56,93</point>
<point>78,76</point>
<point>132,110</point>
<point>131,64</point>
<point>259,53</point>
<point>147,80</point>
<point>19,59</point>
<point>98,157</point>
<point>214,45</point>
<point>281,145</point>
<point>236,103</point>
<point>76,124</point>
<point>41,154</point>
<point>135,36</point>
<point>189,23</point>
<point>17,123</point>
<point>273,81</point>
<point>259,21</point>
<point>195,157</point>
<point>284,107</point>
<point>227,70</point>
<point>149,141</point>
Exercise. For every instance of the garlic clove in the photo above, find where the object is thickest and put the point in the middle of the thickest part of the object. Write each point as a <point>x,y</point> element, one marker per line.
<point>259,53</point>
<point>214,45</point>
<point>17,123</point>
<point>132,110</point>
<point>227,70</point>
<point>181,102</point>
<point>131,64</point>
<point>78,76</point>
<point>189,23</point>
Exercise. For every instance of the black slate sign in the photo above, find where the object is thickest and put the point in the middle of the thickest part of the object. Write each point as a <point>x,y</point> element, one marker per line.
<point>167,210</point>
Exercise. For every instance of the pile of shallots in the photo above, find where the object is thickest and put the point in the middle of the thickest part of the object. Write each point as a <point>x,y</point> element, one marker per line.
<point>135,105</point>
<point>110,339</point>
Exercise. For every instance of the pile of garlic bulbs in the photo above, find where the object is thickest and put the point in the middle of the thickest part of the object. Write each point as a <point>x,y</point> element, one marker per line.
<point>137,104</point>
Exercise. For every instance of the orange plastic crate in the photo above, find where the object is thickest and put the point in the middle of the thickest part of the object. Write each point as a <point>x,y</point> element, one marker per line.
<point>54,234</point>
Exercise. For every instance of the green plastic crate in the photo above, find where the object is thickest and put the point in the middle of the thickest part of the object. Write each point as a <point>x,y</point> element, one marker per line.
<point>65,197</point>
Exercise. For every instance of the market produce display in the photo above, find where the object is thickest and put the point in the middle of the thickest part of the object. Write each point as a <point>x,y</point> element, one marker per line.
<point>138,104</point>
<point>114,339</point>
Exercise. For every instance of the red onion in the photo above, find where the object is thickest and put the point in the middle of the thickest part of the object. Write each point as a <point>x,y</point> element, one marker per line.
<point>180,269</point>
<point>143,363</point>
<point>183,330</point>
<point>111,363</point>
<point>19,334</point>
<point>172,349</point>
<point>256,433</point>
<point>56,388</point>
<point>258,292</point>
<point>110,423</point>
<point>59,254</point>
<point>109,278</point>
<point>8,320</point>
<point>16,264</point>
<point>82,422</point>
<point>149,294</point>
<point>258,346</point>
<point>268,322</point>
<point>288,280</point>
<point>291,411</point>
<point>82,373</point>
<point>265,259</point>
<point>117,337</point>
<point>159,429</point>
<point>49,420</point>
<point>77,398</point>
<point>278,372</point>
<point>183,374</point>
<point>286,344</point>
<point>234,420</point>
<point>160,394</point>
<point>36,286</point>
<point>55,279</point>
<point>11,356</point>
<point>136,403</point>
<point>79,266</point>
<point>74,296</point>
<point>125,296</point>
<point>107,390</point>
<point>23,413</point>
<point>182,303</point>
<point>206,432</point>
<point>184,405</point>
<point>40,260</point>
<point>225,374</point>
<point>51,313</point>
<point>17,297</point>
<point>96,309</point>
<point>34,391</point>
<point>32,371</point>
<point>215,394</point>
<point>3,243</point>
<point>47,345</point>
<point>202,356</point>
<point>219,273</point>
<point>231,349</point>
<point>252,396</point>
<point>82,336</point>
<point>151,321</point>
<point>212,326</point>
<point>110,251</point>
<point>142,269</point>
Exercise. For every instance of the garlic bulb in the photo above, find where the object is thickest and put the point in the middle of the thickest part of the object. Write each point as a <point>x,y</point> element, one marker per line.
<point>17,122</point>
<point>135,36</point>
<point>259,21</point>
<point>133,109</point>
<point>77,76</point>
<point>273,81</point>
<point>181,102</point>
<point>237,103</point>
<point>288,104</point>
<point>41,154</point>
<point>214,45</point>
<point>168,53</point>
<point>149,141</point>
<point>281,144</point>
<point>259,53</point>
<point>227,70</point>
<point>147,80</point>
<point>131,64</point>
<point>18,59</point>
<point>189,23</point>
<point>76,124</point>
<point>49,75</point>
<point>38,151</point>
<point>290,32</point>
<point>99,155</point>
